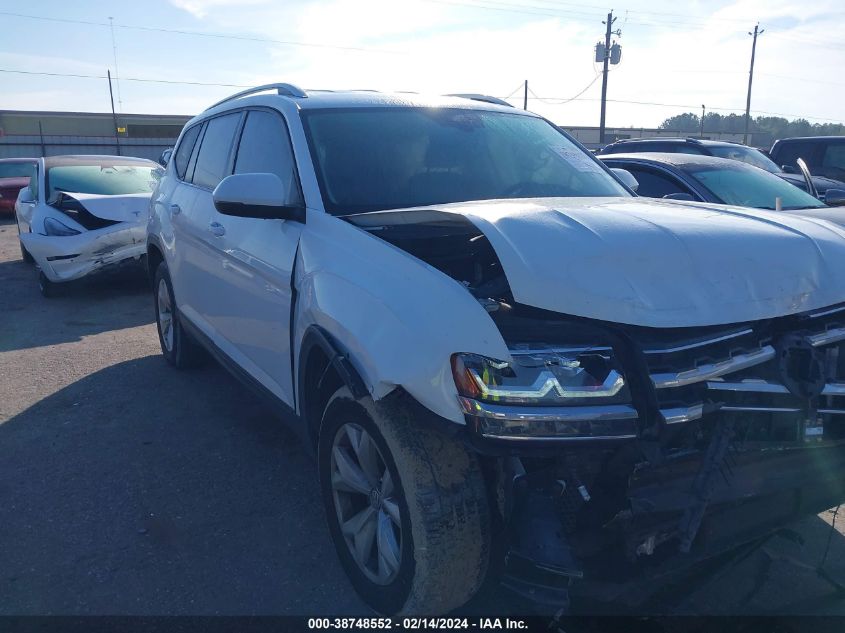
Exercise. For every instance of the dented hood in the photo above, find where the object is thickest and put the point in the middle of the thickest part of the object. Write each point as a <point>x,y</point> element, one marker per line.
<point>660,263</point>
<point>129,207</point>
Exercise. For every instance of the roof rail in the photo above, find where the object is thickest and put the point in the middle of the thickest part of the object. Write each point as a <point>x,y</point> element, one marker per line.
<point>484,98</point>
<point>287,90</point>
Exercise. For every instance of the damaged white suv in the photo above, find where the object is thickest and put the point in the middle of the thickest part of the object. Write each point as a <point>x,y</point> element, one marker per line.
<point>507,364</point>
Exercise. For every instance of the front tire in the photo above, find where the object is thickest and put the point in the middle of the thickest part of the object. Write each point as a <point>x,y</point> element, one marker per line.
<point>406,506</point>
<point>177,346</point>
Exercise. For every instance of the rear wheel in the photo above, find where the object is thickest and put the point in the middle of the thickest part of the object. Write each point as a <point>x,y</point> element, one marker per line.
<point>406,507</point>
<point>177,346</point>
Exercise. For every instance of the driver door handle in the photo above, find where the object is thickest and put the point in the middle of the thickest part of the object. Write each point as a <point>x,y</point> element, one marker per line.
<point>217,229</point>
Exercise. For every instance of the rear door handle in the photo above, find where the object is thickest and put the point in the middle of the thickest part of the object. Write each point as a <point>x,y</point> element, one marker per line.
<point>175,209</point>
<point>217,229</point>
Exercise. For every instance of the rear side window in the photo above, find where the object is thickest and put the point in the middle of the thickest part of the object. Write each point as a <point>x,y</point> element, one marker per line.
<point>215,150</point>
<point>33,182</point>
<point>833,161</point>
<point>265,148</point>
<point>183,152</point>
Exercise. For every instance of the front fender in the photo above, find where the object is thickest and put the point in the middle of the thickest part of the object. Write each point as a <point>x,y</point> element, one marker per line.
<point>397,319</point>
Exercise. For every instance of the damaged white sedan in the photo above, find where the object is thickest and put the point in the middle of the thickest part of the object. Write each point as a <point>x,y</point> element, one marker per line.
<point>83,214</point>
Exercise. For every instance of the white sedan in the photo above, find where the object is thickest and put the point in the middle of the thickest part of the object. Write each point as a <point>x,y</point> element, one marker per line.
<point>82,214</point>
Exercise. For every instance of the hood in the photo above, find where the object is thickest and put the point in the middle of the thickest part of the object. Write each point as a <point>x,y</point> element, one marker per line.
<point>822,184</point>
<point>129,207</point>
<point>17,182</point>
<point>660,263</point>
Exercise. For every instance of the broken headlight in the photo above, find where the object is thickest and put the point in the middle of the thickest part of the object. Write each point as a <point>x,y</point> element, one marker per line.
<point>546,393</point>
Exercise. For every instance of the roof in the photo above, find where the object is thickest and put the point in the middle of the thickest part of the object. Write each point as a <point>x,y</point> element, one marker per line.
<point>18,160</point>
<point>678,160</point>
<point>93,159</point>
<point>671,139</point>
<point>811,138</point>
<point>320,99</point>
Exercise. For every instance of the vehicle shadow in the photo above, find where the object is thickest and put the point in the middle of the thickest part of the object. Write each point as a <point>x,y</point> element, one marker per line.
<point>82,308</point>
<point>143,490</point>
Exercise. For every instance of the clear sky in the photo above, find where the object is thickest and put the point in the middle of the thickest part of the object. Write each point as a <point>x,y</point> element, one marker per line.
<point>681,53</point>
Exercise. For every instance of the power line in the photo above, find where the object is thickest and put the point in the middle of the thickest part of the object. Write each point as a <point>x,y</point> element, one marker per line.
<point>244,38</point>
<point>155,81</point>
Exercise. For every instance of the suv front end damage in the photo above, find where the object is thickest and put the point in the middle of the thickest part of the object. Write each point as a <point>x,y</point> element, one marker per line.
<point>650,450</point>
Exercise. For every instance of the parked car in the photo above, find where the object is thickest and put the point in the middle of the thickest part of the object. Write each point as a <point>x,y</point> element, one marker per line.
<point>505,363</point>
<point>716,180</point>
<point>83,214</point>
<point>723,149</point>
<point>14,176</point>
<point>824,155</point>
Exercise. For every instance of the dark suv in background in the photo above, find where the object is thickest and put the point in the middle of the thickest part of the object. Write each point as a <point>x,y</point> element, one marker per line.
<point>735,151</point>
<point>824,155</point>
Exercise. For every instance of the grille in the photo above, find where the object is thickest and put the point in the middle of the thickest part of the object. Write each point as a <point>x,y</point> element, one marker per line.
<point>748,373</point>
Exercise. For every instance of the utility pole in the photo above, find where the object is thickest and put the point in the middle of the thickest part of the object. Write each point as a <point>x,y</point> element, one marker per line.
<point>605,55</point>
<point>116,71</point>
<point>113,115</point>
<point>701,131</point>
<point>750,79</point>
<point>525,98</point>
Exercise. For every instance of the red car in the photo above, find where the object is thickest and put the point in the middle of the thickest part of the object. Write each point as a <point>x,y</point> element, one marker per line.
<point>14,176</point>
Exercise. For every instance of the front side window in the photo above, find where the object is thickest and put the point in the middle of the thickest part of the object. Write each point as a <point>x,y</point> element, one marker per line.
<point>108,177</point>
<point>791,152</point>
<point>752,187</point>
<point>370,159</point>
<point>216,148</point>
<point>747,155</point>
<point>265,149</point>
<point>653,184</point>
<point>33,181</point>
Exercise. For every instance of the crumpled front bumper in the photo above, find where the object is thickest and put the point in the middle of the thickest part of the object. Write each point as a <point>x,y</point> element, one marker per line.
<point>65,258</point>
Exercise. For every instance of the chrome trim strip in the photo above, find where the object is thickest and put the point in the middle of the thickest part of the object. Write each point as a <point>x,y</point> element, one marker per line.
<point>547,414</point>
<point>752,386</point>
<point>699,344</point>
<point>555,438</point>
<point>762,409</point>
<point>826,312</point>
<point>557,350</point>
<point>834,389</point>
<point>677,415</point>
<point>714,370</point>
<point>832,411</point>
<point>825,338</point>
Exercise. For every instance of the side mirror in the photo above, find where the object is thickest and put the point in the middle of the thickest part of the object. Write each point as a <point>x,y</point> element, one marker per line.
<point>25,196</point>
<point>626,177</point>
<point>682,196</point>
<point>262,196</point>
<point>834,197</point>
<point>164,158</point>
<point>789,169</point>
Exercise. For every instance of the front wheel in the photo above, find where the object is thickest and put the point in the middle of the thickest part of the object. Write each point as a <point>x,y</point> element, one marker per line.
<point>406,506</point>
<point>47,288</point>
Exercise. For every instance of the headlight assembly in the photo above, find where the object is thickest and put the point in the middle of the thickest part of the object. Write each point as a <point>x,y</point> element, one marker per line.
<point>546,394</point>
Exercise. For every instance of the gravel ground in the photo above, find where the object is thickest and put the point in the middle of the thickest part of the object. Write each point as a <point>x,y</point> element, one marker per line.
<point>129,488</point>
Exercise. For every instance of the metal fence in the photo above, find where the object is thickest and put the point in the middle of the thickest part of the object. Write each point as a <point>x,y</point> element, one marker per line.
<point>35,146</point>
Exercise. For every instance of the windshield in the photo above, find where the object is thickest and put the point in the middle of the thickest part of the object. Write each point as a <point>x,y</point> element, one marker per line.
<point>751,187</point>
<point>746,155</point>
<point>16,170</point>
<point>107,178</point>
<point>389,158</point>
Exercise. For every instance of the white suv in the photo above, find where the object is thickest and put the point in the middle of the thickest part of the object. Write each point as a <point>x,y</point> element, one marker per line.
<point>509,366</point>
